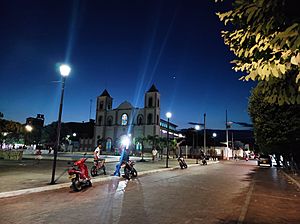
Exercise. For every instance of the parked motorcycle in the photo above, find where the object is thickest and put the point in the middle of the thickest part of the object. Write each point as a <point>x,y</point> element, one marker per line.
<point>79,175</point>
<point>129,170</point>
<point>97,167</point>
<point>182,162</point>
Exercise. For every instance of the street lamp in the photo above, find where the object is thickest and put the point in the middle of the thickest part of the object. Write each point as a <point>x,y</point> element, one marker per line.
<point>64,72</point>
<point>214,135</point>
<point>214,154</point>
<point>28,128</point>
<point>197,128</point>
<point>168,115</point>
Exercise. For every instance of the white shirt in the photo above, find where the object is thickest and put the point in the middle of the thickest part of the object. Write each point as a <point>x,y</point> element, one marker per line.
<point>97,151</point>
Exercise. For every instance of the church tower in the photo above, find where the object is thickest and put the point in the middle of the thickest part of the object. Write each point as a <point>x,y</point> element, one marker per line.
<point>104,104</point>
<point>152,111</point>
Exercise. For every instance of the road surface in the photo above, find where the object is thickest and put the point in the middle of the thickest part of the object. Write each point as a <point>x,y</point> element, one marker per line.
<point>227,192</point>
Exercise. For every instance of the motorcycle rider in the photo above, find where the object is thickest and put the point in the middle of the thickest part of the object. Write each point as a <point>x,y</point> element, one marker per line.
<point>123,159</point>
<point>97,153</point>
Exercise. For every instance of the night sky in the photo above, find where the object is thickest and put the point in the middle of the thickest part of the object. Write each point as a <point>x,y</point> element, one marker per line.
<point>125,47</point>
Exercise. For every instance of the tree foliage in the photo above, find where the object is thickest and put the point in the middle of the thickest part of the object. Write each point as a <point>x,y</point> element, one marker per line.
<point>276,128</point>
<point>264,36</point>
<point>14,131</point>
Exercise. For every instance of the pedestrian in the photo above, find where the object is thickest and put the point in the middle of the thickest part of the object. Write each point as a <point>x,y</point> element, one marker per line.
<point>154,154</point>
<point>38,156</point>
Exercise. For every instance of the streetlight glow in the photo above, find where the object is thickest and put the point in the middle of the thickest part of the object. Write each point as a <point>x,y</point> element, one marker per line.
<point>74,134</point>
<point>64,70</point>
<point>197,127</point>
<point>214,135</point>
<point>28,128</point>
<point>168,114</point>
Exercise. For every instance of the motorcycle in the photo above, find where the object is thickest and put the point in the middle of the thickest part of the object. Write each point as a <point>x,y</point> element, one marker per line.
<point>182,162</point>
<point>129,170</point>
<point>98,165</point>
<point>79,175</point>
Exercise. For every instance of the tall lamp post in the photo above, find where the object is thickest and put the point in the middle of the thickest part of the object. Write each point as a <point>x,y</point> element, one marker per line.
<point>28,129</point>
<point>214,135</point>
<point>168,115</point>
<point>64,72</point>
<point>204,134</point>
<point>197,128</point>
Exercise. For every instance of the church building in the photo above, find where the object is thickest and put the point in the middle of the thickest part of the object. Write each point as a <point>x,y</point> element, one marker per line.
<point>125,120</point>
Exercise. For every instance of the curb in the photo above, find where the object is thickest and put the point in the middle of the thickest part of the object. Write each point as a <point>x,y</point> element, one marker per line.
<point>67,185</point>
<point>291,178</point>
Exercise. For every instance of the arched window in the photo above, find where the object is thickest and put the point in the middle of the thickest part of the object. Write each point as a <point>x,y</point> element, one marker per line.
<point>140,119</point>
<point>138,146</point>
<point>124,119</point>
<point>108,144</point>
<point>150,102</point>
<point>157,119</point>
<point>109,121</point>
<point>149,119</point>
<point>158,103</point>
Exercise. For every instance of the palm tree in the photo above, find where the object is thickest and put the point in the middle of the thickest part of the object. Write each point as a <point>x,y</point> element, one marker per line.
<point>141,139</point>
<point>162,143</point>
<point>153,140</point>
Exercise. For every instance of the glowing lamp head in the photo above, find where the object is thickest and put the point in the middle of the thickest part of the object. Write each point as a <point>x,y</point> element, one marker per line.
<point>28,128</point>
<point>168,115</point>
<point>214,134</point>
<point>197,127</point>
<point>74,134</point>
<point>64,70</point>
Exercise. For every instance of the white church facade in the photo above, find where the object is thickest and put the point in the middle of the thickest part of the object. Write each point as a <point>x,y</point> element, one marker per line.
<point>125,120</point>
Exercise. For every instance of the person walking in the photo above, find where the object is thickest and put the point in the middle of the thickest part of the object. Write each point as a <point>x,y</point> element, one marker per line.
<point>38,156</point>
<point>154,154</point>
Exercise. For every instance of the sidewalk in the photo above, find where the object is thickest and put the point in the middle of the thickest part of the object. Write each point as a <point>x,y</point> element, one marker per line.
<point>27,176</point>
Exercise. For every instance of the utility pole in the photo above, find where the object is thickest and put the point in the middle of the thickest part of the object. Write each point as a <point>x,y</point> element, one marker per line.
<point>226,136</point>
<point>232,145</point>
<point>204,141</point>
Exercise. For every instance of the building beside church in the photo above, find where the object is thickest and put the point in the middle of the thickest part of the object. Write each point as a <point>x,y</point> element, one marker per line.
<point>125,120</point>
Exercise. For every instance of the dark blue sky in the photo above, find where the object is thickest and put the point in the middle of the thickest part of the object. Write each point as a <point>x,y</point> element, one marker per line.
<point>123,46</point>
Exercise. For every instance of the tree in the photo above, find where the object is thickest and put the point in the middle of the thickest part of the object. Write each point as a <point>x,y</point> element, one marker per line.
<point>141,140</point>
<point>162,143</point>
<point>276,128</point>
<point>264,36</point>
<point>49,133</point>
<point>153,140</point>
<point>11,132</point>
